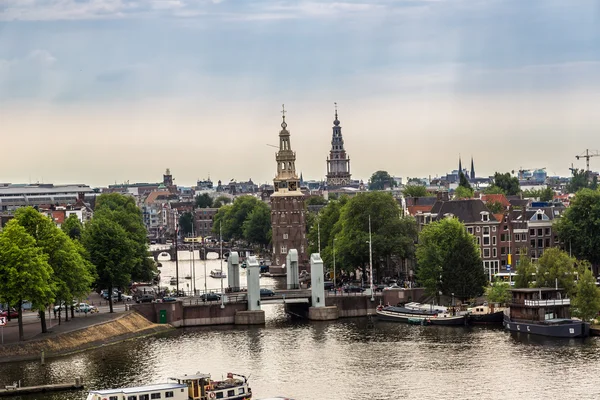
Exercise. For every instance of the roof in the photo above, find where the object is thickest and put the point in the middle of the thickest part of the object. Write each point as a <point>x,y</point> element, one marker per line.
<point>137,389</point>
<point>413,210</point>
<point>500,198</point>
<point>467,211</point>
<point>197,375</point>
<point>30,190</point>
<point>153,196</point>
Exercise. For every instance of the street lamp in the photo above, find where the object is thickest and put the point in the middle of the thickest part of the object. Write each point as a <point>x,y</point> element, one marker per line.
<point>333,263</point>
<point>371,260</point>
<point>221,240</point>
<point>205,290</point>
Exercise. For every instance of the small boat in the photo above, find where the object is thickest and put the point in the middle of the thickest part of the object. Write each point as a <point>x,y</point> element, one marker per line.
<point>173,281</point>
<point>419,316</point>
<point>216,273</point>
<point>543,311</point>
<point>485,315</point>
<point>194,387</point>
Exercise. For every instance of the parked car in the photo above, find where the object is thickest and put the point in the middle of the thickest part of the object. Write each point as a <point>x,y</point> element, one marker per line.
<point>266,293</point>
<point>168,299</point>
<point>61,306</point>
<point>210,297</point>
<point>124,297</point>
<point>353,289</point>
<point>12,313</point>
<point>86,308</point>
<point>328,285</point>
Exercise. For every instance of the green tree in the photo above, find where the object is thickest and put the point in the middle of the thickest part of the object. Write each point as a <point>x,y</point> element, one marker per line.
<point>380,179</point>
<point>257,226</point>
<point>448,260</point>
<point>124,211</point>
<point>393,236</point>
<point>24,269</point>
<point>204,201</point>
<point>579,180</point>
<point>415,191</point>
<point>462,192</point>
<point>316,201</point>
<point>233,216</point>
<point>112,251</point>
<point>586,302</point>
<point>221,201</point>
<point>546,194</point>
<point>579,226</point>
<point>495,207</point>
<point>72,274</point>
<point>509,184</point>
<point>499,292</point>
<point>72,227</point>
<point>556,267</point>
<point>464,182</point>
<point>493,189</point>
<point>186,223</point>
<point>525,273</point>
<point>323,227</point>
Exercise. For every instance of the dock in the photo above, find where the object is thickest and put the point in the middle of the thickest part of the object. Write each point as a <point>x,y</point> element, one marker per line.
<point>16,390</point>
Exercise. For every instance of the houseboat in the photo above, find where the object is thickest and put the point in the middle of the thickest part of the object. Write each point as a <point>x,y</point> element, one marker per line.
<point>486,315</point>
<point>217,273</point>
<point>186,387</point>
<point>543,311</point>
<point>420,316</point>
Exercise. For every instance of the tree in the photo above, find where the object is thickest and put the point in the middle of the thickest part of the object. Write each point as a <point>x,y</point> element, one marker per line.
<point>257,225</point>
<point>586,302</point>
<point>462,192</point>
<point>72,227</point>
<point>204,201</point>
<point>498,292</point>
<point>221,201</point>
<point>525,274</point>
<point>579,226</point>
<point>380,179</point>
<point>233,216</point>
<point>112,251</point>
<point>555,267</point>
<point>186,223</point>
<point>25,271</point>
<point>323,227</point>
<point>493,189</point>
<point>124,211</point>
<point>464,182</point>
<point>579,180</point>
<point>316,201</point>
<point>393,236</point>
<point>495,207</point>
<point>509,184</point>
<point>415,191</point>
<point>546,194</point>
<point>448,260</point>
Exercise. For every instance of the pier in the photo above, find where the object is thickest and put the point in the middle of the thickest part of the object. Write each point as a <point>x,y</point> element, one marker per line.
<point>17,390</point>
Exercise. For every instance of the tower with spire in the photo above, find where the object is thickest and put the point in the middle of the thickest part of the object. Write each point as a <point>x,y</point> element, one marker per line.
<point>338,162</point>
<point>288,221</point>
<point>459,165</point>
<point>472,169</point>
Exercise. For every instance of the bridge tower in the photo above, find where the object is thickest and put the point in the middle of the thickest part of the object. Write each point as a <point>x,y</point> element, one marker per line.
<point>233,271</point>
<point>318,310</point>
<point>287,205</point>
<point>292,274</point>
<point>254,315</point>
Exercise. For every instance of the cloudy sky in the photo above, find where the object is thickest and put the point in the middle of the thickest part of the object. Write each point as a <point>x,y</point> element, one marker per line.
<point>105,91</point>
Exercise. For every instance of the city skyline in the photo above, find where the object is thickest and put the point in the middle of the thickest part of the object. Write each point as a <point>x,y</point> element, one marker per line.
<point>107,91</point>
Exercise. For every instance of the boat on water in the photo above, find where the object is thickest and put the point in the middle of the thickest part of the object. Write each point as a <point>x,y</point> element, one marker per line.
<point>173,281</point>
<point>420,316</point>
<point>216,273</point>
<point>543,311</point>
<point>187,387</point>
<point>486,315</point>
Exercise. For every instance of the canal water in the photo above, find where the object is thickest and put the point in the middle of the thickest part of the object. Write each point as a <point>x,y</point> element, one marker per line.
<point>344,359</point>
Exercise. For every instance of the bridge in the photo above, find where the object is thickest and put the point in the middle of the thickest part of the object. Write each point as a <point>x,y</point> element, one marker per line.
<point>202,250</point>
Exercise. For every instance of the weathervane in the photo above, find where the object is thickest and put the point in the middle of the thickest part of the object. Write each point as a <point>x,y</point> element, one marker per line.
<point>283,124</point>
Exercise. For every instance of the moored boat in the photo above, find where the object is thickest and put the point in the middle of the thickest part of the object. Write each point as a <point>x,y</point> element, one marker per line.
<point>543,311</point>
<point>419,316</point>
<point>195,387</point>
<point>173,281</point>
<point>486,315</point>
<point>217,273</point>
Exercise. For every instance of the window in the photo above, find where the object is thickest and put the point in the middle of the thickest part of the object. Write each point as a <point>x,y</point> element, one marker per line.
<point>478,229</point>
<point>283,249</point>
<point>169,395</point>
<point>502,250</point>
<point>539,216</point>
<point>547,242</point>
<point>555,238</point>
<point>493,240</point>
<point>547,231</point>
<point>485,217</point>
<point>478,241</point>
<point>540,232</point>
<point>540,243</point>
<point>285,236</point>
<point>230,393</point>
<point>517,237</point>
<point>532,232</point>
<point>505,227</point>
<point>131,397</point>
<point>486,253</point>
<point>494,253</point>
<point>532,243</point>
<point>493,229</point>
<point>241,391</point>
<point>486,230</point>
<point>144,397</point>
<point>155,396</point>
<point>502,237</point>
<point>219,395</point>
<point>113,397</point>
<point>470,230</point>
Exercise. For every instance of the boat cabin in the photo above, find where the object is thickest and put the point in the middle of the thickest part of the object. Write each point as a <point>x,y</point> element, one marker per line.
<point>539,305</point>
<point>201,387</point>
<point>172,391</point>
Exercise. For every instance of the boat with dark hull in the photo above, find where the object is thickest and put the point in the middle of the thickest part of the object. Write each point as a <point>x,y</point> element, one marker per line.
<point>543,311</point>
<point>485,315</point>
<point>416,316</point>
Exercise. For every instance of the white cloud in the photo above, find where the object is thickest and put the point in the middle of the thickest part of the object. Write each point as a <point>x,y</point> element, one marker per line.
<point>43,57</point>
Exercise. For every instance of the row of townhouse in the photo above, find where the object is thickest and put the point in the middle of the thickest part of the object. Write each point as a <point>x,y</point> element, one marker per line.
<point>521,229</point>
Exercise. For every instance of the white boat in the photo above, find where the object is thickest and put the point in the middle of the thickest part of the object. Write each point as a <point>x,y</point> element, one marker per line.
<point>194,387</point>
<point>216,273</point>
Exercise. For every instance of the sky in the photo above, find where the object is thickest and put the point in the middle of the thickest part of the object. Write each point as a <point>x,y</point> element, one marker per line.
<point>109,91</point>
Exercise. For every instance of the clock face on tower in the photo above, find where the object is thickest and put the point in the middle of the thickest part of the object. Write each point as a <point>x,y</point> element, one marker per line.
<point>292,185</point>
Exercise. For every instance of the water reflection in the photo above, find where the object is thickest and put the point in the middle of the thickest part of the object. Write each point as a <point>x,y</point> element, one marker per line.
<point>345,359</point>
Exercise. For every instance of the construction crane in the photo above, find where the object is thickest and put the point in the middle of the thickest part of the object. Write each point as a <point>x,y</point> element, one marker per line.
<point>587,155</point>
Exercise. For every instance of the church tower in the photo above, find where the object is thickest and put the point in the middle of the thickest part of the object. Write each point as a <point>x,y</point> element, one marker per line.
<point>472,169</point>
<point>287,205</point>
<point>338,162</point>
